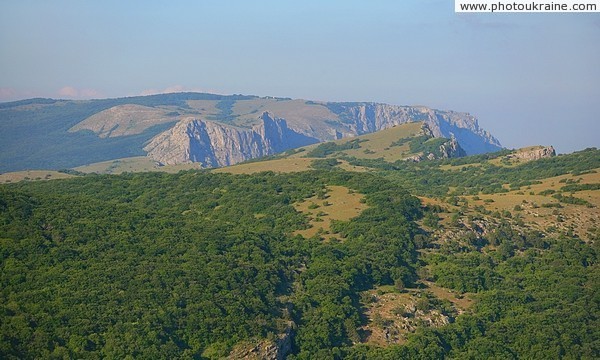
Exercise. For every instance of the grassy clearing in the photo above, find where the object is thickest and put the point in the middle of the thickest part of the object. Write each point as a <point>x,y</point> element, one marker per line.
<point>204,107</point>
<point>346,166</point>
<point>132,164</point>
<point>246,112</point>
<point>125,120</point>
<point>536,206</point>
<point>539,209</point>
<point>378,144</point>
<point>295,112</point>
<point>339,203</point>
<point>385,311</point>
<point>462,302</point>
<point>32,175</point>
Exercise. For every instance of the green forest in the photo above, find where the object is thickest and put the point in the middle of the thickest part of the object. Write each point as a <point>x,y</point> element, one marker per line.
<point>187,265</point>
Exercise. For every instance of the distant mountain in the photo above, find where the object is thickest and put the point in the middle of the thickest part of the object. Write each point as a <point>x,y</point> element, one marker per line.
<point>213,130</point>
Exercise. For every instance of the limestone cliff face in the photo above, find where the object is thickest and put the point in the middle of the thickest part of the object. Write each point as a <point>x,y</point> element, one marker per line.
<point>364,118</point>
<point>214,144</point>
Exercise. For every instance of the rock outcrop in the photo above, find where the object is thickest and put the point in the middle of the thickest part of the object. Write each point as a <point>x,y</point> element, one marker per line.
<point>448,149</point>
<point>276,349</point>
<point>452,149</point>
<point>214,144</point>
<point>535,153</point>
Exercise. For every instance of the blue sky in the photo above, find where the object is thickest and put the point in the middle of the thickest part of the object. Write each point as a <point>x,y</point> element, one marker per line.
<point>529,78</point>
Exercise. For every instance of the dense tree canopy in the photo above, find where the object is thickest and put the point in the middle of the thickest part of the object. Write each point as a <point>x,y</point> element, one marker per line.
<point>187,265</point>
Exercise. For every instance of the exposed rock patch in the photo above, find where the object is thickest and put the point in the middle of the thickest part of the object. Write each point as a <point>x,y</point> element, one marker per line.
<point>449,149</point>
<point>534,154</point>
<point>266,349</point>
<point>392,316</point>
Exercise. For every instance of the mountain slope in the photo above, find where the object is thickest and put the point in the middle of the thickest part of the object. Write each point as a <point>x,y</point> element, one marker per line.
<point>411,142</point>
<point>53,134</point>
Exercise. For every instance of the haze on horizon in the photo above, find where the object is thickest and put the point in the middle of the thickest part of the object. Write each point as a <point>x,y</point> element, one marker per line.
<point>529,78</point>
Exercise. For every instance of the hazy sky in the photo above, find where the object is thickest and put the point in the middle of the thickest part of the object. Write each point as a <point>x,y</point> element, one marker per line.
<point>529,78</point>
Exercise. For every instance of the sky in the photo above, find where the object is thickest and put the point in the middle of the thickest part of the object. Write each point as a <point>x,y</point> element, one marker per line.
<point>529,78</point>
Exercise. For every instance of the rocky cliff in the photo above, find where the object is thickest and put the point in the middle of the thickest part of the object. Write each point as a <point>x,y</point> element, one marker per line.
<point>452,149</point>
<point>364,118</point>
<point>214,144</point>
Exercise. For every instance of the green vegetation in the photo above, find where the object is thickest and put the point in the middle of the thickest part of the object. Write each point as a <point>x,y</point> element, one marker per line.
<point>328,148</point>
<point>427,145</point>
<point>542,306</point>
<point>580,187</point>
<point>151,266</point>
<point>401,142</point>
<point>325,164</point>
<point>188,265</point>
<point>422,144</point>
<point>226,108</point>
<point>571,200</point>
<point>160,266</point>
<point>429,179</point>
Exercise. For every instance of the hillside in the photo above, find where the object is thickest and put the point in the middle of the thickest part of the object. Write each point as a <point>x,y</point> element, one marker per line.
<point>212,130</point>
<point>345,254</point>
<point>406,142</point>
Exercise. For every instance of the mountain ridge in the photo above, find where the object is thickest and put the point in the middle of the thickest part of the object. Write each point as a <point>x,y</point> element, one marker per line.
<point>55,134</point>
